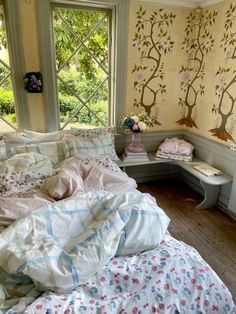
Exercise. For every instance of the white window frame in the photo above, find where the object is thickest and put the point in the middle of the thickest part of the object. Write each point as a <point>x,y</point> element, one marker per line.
<point>119,66</point>
<point>17,62</point>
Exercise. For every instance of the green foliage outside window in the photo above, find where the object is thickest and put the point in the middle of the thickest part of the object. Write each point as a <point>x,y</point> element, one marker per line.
<point>81,46</point>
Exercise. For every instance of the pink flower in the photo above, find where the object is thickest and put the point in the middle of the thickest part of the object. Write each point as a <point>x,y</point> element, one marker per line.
<point>135,127</point>
<point>215,308</point>
<point>186,76</point>
<point>39,306</point>
<point>166,286</point>
<point>183,302</point>
<point>161,306</point>
<point>135,310</point>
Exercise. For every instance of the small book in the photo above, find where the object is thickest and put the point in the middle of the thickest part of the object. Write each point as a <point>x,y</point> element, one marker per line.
<point>140,154</point>
<point>207,170</point>
<point>135,159</point>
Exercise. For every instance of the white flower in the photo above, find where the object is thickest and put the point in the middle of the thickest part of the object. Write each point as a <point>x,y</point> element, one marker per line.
<point>142,126</point>
<point>135,118</point>
<point>140,77</point>
<point>208,43</point>
<point>221,80</point>
<point>228,54</point>
<point>165,42</point>
<point>186,77</point>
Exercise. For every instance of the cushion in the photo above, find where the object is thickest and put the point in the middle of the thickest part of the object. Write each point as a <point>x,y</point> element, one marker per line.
<point>66,183</point>
<point>53,150</point>
<point>28,137</point>
<point>38,137</point>
<point>23,172</point>
<point>93,147</point>
<point>14,139</point>
<point>86,164</point>
<point>91,133</point>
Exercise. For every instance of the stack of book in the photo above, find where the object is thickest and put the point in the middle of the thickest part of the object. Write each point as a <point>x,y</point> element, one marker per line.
<point>135,157</point>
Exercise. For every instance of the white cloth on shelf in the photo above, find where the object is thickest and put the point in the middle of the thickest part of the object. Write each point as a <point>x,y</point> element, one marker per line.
<point>176,146</point>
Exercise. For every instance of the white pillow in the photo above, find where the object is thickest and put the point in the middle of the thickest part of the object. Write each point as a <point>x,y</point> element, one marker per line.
<point>28,137</point>
<point>14,139</point>
<point>92,133</point>
<point>38,137</point>
<point>53,150</point>
<point>95,147</point>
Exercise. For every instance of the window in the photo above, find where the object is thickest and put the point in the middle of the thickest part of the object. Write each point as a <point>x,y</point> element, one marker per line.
<point>96,95</point>
<point>82,54</point>
<point>7,101</point>
<point>14,110</point>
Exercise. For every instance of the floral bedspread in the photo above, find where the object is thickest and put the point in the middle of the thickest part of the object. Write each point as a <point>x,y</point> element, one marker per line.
<point>172,278</point>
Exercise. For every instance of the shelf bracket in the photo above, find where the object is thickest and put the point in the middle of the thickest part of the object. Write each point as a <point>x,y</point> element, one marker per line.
<point>211,193</point>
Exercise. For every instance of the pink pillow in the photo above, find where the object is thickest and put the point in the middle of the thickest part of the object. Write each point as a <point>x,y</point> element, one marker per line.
<point>66,183</point>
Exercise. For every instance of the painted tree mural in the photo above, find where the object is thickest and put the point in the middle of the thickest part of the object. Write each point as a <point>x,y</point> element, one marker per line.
<point>226,80</point>
<point>152,41</point>
<point>197,43</point>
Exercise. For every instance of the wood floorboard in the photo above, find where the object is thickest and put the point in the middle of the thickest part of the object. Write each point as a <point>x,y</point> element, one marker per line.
<point>210,231</point>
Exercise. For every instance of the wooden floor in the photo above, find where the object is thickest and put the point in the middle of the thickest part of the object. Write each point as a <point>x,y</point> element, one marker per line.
<point>210,231</point>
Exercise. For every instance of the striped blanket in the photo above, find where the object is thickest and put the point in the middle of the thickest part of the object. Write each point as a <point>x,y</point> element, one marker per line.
<point>63,244</point>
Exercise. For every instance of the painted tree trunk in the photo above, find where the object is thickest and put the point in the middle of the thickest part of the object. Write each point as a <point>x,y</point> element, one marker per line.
<point>221,131</point>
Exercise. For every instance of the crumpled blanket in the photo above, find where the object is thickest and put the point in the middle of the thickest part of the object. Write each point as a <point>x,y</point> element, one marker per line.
<point>176,146</point>
<point>63,244</point>
<point>74,176</point>
<point>11,208</point>
<point>77,176</point>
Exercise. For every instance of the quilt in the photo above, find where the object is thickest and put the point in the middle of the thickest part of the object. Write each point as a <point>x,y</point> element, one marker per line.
<point>86,241</point>
<point>29,181</point>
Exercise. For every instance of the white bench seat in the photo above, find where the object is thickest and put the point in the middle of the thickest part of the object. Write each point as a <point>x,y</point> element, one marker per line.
<point>210,184</point>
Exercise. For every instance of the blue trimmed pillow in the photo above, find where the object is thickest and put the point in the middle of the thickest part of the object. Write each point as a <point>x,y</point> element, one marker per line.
<point>53,150</point>
<point>92,133</point>
<point>95,147</point>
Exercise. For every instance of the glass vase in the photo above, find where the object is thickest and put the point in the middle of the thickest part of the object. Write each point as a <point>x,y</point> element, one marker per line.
<point>136,145</point>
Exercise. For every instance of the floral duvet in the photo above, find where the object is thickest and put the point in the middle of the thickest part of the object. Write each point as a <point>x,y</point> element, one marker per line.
<point>172,278</point>
<point>103,252</point>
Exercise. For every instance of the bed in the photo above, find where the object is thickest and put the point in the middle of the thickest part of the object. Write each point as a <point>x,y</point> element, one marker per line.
<point>76,236</point>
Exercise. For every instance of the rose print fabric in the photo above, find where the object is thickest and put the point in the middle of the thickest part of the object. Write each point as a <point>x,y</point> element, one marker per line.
<point>170,279</point>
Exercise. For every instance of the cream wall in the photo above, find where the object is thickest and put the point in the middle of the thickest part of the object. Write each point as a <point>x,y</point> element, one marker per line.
<point>205,119</point>
<point>219,58</point>
<point>168,111</point>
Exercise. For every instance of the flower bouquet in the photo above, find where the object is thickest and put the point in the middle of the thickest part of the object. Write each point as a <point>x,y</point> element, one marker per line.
<point>137,124</point>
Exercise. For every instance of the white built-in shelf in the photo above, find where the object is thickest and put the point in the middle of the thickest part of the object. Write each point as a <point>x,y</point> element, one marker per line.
<point>210,184</point>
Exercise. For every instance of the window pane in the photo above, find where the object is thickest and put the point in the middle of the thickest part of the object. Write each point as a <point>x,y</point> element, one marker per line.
<point>7,103</point>
<point>82,60</point>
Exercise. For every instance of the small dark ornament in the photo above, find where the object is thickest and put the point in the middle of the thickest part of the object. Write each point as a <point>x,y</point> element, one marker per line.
<point>33,82</point>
